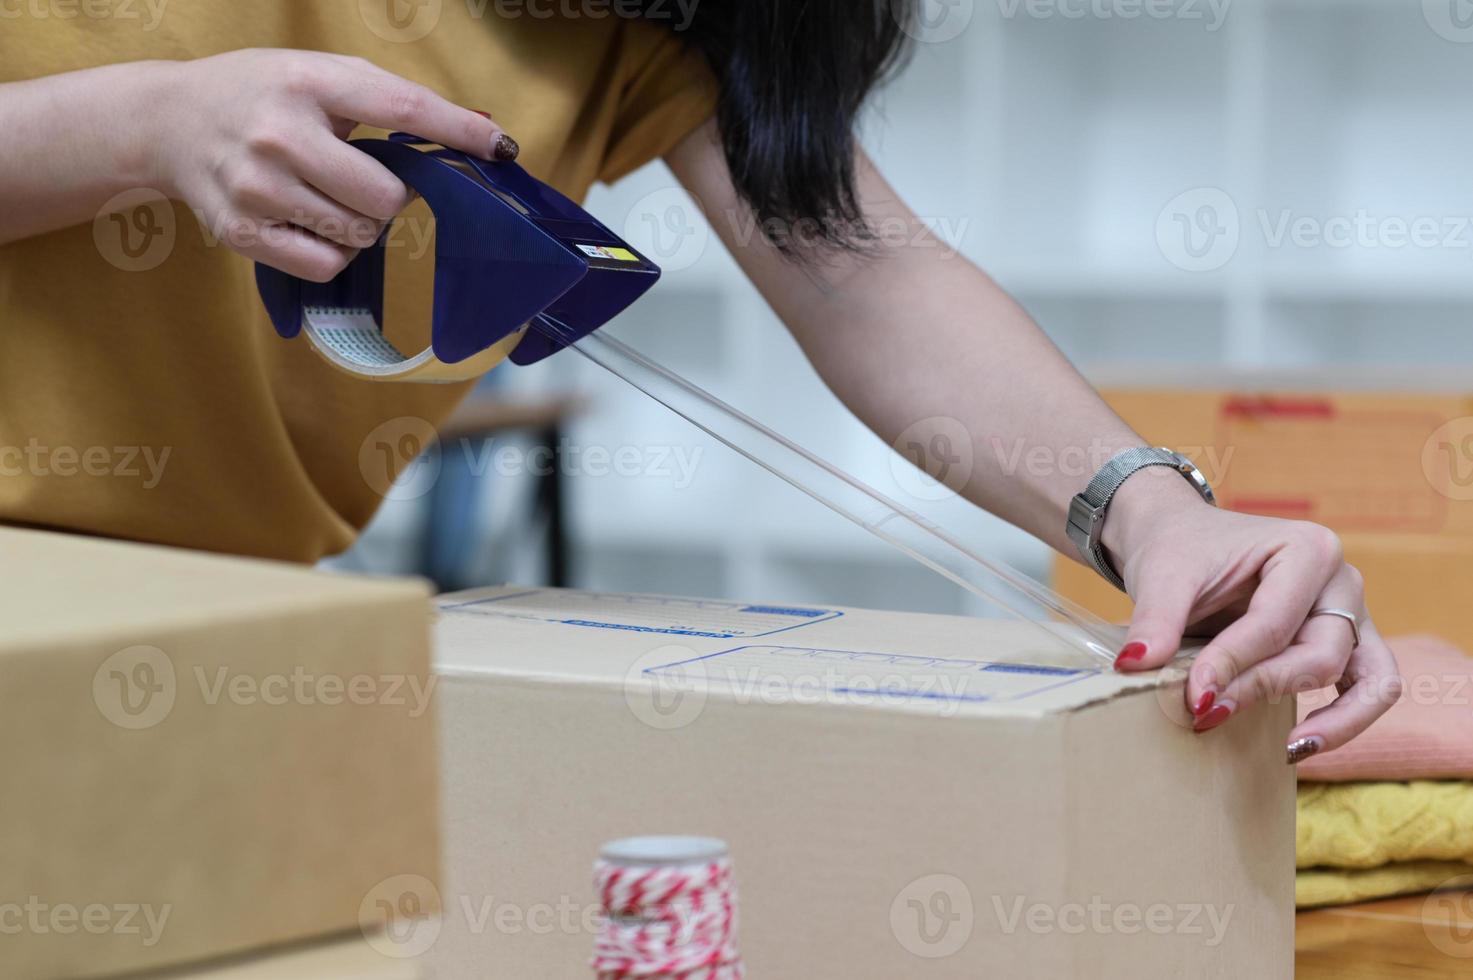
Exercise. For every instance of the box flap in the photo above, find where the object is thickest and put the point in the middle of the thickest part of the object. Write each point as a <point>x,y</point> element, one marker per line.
<point>769,653</point>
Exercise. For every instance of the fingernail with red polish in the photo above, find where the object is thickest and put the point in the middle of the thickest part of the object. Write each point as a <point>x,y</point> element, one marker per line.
<point>1214,716</point>
<point>1129,654</point>
<point>505,149</point>
<point>1203,703</point>
<point>1302,748</point>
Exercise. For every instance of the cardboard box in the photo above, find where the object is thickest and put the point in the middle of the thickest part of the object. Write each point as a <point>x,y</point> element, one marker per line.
<point>203,754</point>
<point>1359,461</point>
<point>347,958</point>
<point>904,795</point>
<point>1390,470</point>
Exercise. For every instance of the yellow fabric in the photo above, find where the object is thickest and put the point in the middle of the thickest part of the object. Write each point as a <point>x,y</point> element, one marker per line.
<point>1336,886</point>
<point>159,405</point>
<point>1366,840</point>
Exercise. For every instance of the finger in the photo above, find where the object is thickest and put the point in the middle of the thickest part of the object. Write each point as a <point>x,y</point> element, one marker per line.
<point>347,175</point>
<point>308,208</point>
<point>378,98</point>
<point>1289,584</point>
<point>1370,686</point>
<point>1163,602</point>
<point>283,246</point>
<point>1317,659</point>
<point>1319,655</point>
<point>1254,641</point>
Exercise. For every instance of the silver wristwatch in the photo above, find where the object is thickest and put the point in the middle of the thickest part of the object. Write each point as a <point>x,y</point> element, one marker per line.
<point>1087,509</point>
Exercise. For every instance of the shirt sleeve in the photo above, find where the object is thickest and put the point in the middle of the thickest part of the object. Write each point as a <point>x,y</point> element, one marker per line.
<point>667,91</point>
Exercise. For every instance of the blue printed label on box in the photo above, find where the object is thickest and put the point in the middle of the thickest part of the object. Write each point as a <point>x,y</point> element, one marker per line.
<point>705,618</point>
<point>802,674</point>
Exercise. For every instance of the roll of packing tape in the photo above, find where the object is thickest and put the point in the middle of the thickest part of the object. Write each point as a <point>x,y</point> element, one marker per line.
<point>350,339</point>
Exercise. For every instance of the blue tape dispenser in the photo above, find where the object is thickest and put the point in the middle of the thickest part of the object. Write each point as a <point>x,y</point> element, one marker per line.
<point>509,252</point>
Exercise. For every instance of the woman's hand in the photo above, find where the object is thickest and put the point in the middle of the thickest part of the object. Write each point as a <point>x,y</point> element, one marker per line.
<point>913,336</point>
<point>254,142</point>
<point>1252,581</point>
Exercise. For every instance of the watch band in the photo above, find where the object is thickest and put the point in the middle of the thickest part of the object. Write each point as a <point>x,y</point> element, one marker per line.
<point>1087,510</point>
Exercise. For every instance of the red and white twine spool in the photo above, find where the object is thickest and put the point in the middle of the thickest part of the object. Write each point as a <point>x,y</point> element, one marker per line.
<point>669,907</point>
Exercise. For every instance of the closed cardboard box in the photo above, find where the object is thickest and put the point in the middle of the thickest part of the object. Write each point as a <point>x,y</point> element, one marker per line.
<point>202,754</point>
<point>354,957</point>
<point>904,795</point>
<point>1386,462</point>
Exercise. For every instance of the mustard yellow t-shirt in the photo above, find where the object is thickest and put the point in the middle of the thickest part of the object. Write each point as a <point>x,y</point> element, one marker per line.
<point>158,404</point>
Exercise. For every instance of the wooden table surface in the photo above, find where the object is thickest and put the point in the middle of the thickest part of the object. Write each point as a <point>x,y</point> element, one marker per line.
<point>1411,938</point>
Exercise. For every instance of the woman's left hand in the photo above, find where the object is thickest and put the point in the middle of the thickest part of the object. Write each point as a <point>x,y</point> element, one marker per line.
<point>1253,582</point>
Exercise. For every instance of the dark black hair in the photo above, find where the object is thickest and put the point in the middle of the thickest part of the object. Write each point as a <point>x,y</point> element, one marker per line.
<point>793,75</point>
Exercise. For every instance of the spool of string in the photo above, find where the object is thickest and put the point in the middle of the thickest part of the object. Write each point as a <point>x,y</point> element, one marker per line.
<point>669,910</point>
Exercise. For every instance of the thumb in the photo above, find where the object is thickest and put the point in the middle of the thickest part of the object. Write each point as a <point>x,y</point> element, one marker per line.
<point>1163,603</point>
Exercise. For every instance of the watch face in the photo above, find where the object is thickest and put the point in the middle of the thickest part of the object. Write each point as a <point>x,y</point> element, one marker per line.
<point>1195,477</point>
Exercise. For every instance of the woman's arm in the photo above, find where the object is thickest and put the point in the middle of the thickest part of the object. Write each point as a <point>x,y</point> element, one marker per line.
<point>72,142</point>
<point>913,332</point>
<point>252,141</point>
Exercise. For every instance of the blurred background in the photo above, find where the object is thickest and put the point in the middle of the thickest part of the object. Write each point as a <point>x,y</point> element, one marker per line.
<point>1170,188</point>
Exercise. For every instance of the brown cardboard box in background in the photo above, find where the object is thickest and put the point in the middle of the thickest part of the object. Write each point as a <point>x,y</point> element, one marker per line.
<point>189,769</point>
<point>1390,470</point>
<point>904,795</point>
<point>1413,585</point>
<point>344,958</point>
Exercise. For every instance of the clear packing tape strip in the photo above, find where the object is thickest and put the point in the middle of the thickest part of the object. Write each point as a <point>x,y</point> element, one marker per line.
<point>514,256</point>
<point>1069,628</point>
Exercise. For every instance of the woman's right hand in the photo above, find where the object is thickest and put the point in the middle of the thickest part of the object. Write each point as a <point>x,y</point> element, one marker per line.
<point>254,142</point>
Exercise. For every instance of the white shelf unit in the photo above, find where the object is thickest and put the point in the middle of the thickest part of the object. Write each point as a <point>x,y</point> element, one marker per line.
<point>1051,147</point>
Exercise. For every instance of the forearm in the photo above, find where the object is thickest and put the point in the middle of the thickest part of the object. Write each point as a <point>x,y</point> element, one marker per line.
<point>926,349</point>
<point>73,141</point>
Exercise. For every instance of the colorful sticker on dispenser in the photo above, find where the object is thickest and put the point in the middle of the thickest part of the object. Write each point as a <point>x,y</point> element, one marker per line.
<point>608,252</point>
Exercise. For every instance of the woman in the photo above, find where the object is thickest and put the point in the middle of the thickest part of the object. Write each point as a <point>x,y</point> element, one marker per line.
<point>751,103</point>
